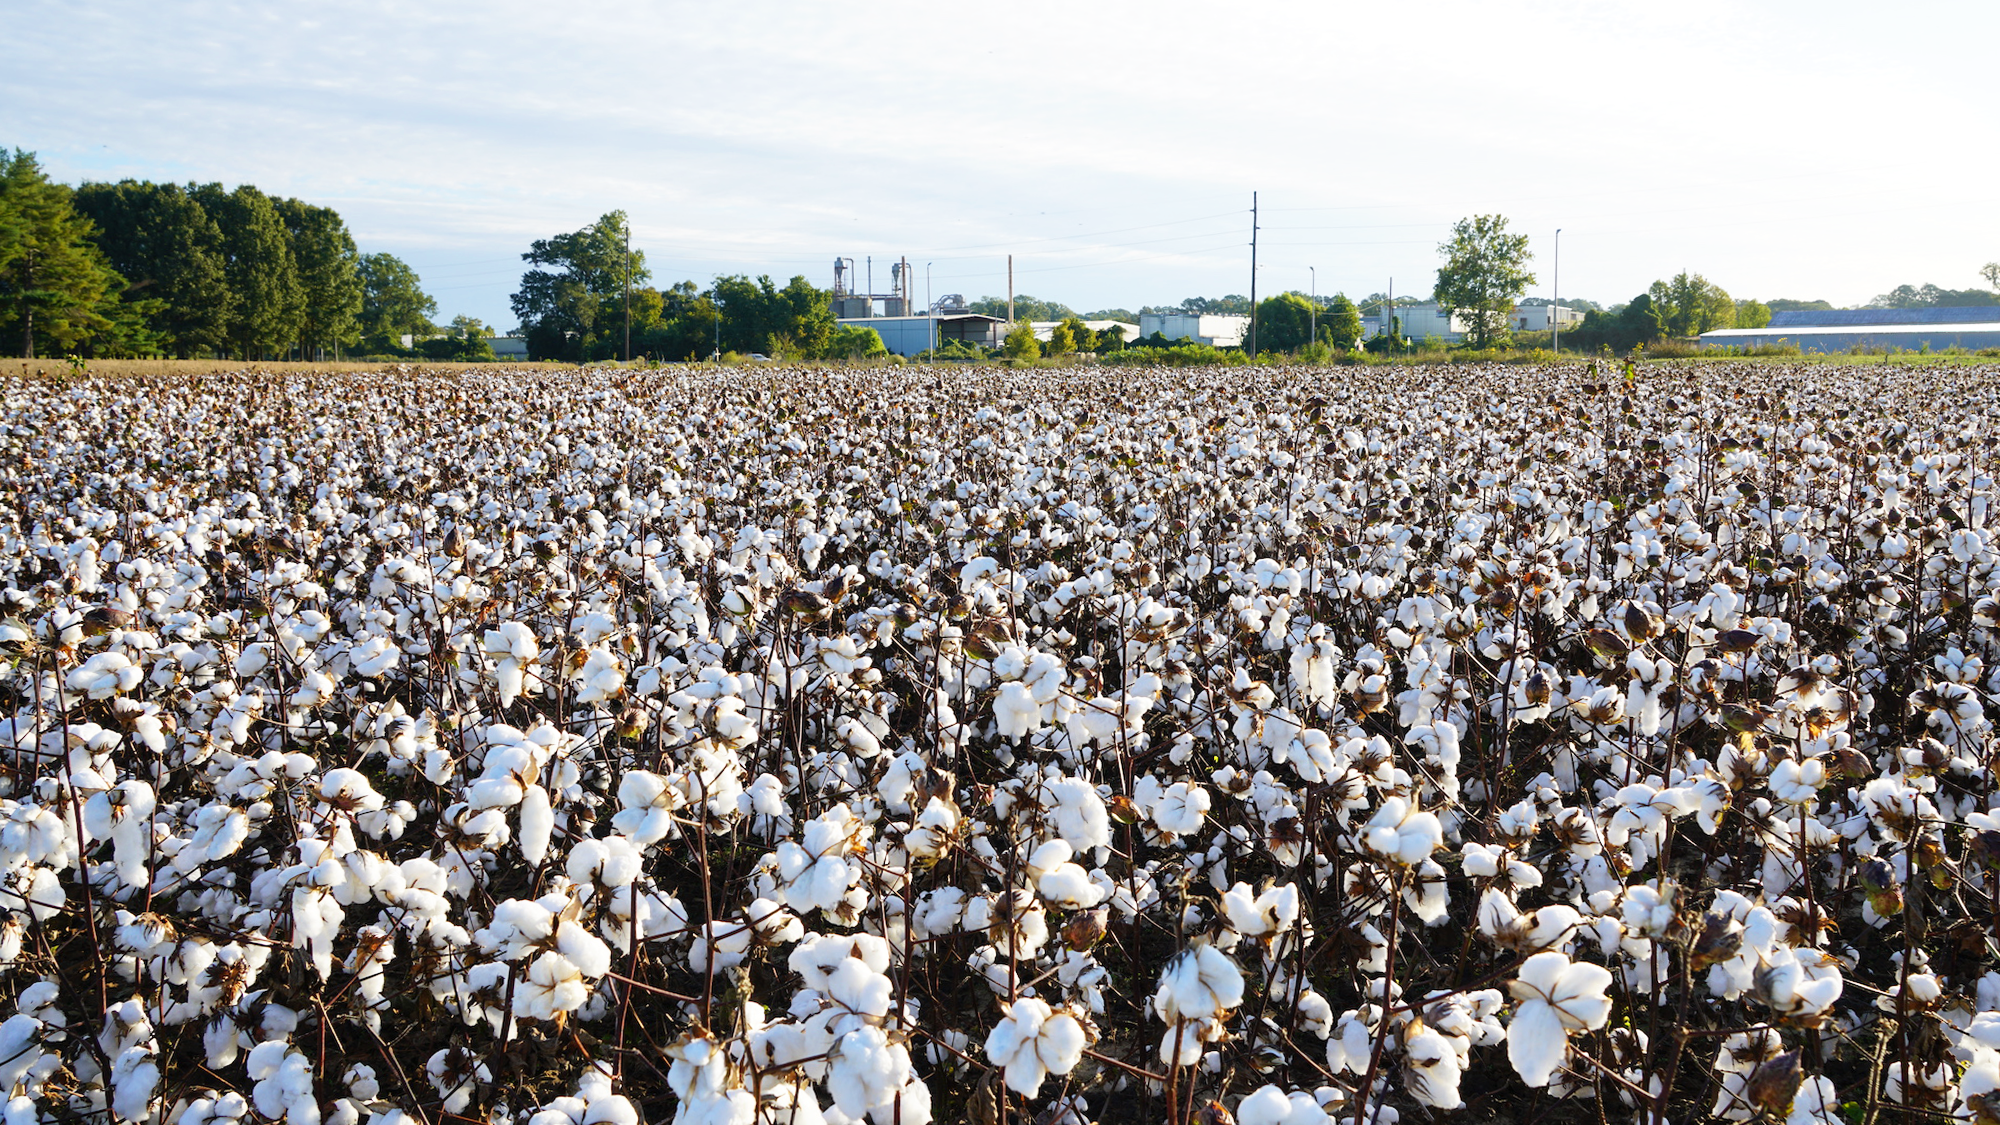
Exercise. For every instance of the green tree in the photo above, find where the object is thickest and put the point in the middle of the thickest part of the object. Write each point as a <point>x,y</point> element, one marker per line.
<point>1126,315</point>
<point>855,341</point>
<point>1752,314</point>
<point>1930,297</point>
<point>329,272</point>
<point>1991,272</point>
<point>393,303</point>
<point>1340,324</point>
<point>55,286</point>
<point>685,327</point>
<point>257,261</point>
<point>1483,275</point>
<point>1690,304</point>
<point>1081,338</point>
<point>1025,308</point>
<point>1021,342</point>
<point>571,304</point>
<point>1060,341</point>
<point>1284,323</point>
<point>465,340</point>
<point>170,252</point>
<point>1112,339</point>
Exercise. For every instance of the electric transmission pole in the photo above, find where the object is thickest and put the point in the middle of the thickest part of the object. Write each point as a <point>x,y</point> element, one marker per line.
<point>1253,275</point>
<point>628,291</point>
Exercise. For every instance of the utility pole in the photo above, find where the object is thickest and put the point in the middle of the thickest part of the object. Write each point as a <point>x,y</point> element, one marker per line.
<point>628,291</point>
<point>1010,290</point>
<point>1313,338</point>
<point>1555,310</point>
<point>1253,275</point>
<point>930,313</point>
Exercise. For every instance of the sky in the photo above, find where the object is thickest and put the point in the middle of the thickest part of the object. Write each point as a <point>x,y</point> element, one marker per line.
<point>1814,149</point>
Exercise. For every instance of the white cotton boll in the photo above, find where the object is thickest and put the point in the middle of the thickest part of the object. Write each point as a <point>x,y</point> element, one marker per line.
<point>1077,813</point>
<point>18,1040</point>
<point>1271,1105</point>
<point>134,1078</point>
<point>1432,1068</point>
<point>1557,996</point>
<point>858,737</point>
<point>1181,808</point>
<point>1399,831</point>
<point>601,678</point>
<point>612,861</point>
<point>1199,983</point>
<point>1015,710</point>
<point>1069,885</point>
<point>1047,856</point>
<point>375,656</point>
<point>1033,1042</point>
<point>551,986</point>
<point>1261,915</point>
<point>537,824</point>
<point>456,1076</point>
<point>591,957</point>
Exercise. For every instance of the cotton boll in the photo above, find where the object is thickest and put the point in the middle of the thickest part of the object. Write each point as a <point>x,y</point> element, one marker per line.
<point>456,1075</point>
<point>1557,996</point>
<point>1034,1041</point>
<point>537,824</point>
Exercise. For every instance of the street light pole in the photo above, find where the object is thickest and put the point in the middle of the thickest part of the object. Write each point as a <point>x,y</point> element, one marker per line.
<point>1314,339</point>
<point>930,313</point>
<point>1555,310</point>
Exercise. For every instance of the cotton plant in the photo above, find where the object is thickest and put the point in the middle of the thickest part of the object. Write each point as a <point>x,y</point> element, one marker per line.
<point>760,710</point>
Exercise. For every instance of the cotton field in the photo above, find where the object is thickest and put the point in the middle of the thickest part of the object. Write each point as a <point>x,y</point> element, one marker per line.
<point>798,746</point>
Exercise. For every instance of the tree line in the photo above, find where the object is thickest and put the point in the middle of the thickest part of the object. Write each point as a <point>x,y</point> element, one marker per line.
<point>587,296</point>
<point>138,269</point>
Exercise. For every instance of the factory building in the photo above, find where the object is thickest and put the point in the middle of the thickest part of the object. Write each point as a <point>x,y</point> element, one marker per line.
<point>1419,323</point>
<point>1217,330</point>
<point>1828,331</point>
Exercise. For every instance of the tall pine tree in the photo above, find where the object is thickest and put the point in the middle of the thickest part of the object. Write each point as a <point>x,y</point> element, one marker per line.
<point>170,252</point>
<point>257,260</point>
<point>54,282</point>
<point>329,273</point>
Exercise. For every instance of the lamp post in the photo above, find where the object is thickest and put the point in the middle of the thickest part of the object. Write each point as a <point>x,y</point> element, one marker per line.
<point>1555,310</point>
<point>931,313</point>
<point>1314,337</point>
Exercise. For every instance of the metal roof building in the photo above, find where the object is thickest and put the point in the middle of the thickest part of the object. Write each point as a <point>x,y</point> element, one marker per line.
<point>908,335</point>
<point>1838,330</point>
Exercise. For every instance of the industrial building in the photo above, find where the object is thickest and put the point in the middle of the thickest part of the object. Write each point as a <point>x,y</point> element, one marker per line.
<point>1539,318</point>
<point>1217,330</point>
<point>1828,331</point>
<point>1419,323</point>
<point>1046,328</point>
<point>893,315</point>
<point>909,335</point>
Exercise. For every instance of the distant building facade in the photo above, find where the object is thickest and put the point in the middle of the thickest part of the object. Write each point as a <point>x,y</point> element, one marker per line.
<point>1046,328</point>
<point>1541,318</point>
<point>910,335</point>
<point>509,347</point>
<point>1419,323</point>
<point>1827,331</point>
<point>1217,330</point>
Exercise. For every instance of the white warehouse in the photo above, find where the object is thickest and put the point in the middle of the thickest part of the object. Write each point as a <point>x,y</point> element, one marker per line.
<point>1217,330</point>
<point>1840,330</point>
